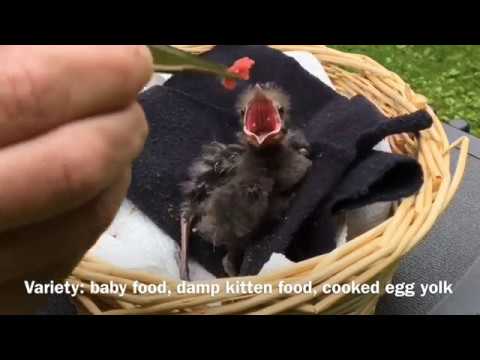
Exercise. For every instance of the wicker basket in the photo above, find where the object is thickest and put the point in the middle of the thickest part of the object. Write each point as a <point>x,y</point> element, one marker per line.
<point>371,257</point>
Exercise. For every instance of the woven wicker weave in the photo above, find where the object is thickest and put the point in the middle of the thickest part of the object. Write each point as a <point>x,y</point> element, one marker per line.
<point>373,256</point>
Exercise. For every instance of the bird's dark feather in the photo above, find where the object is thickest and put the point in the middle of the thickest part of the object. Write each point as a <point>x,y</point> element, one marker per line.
<point>211,169</point>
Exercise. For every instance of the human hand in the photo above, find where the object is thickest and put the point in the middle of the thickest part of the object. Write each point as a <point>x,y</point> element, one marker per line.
<point>70,128</point>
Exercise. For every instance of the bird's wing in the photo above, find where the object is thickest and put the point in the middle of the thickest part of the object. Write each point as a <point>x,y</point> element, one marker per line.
<point>216,164</point>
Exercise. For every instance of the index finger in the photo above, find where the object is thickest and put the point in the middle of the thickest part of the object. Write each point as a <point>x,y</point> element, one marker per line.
<point>42,87</point>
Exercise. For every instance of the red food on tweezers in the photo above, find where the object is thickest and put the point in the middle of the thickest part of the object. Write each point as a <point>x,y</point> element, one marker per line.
<point>242,67</point>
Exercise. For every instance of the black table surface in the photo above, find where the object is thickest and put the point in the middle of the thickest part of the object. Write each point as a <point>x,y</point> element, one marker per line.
<point>450,253</point>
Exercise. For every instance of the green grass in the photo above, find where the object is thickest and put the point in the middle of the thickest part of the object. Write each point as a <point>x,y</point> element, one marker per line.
<point>448,75</point>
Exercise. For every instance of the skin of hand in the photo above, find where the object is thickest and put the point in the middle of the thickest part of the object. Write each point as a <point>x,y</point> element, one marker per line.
<point>70,128</point>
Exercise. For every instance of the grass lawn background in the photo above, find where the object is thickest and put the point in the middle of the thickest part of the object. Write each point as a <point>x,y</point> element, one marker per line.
<point>448,75</point>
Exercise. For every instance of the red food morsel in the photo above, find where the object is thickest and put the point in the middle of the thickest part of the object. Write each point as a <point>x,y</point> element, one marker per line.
<point>242,67</point>
<point>229,84</point>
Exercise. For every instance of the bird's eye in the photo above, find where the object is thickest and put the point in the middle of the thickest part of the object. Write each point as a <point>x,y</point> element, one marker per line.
<point>281,110</point>
<point>242,112</point>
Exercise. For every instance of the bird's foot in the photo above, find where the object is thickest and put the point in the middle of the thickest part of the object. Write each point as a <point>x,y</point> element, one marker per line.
<point>229,266</point>
<point>184,273</point>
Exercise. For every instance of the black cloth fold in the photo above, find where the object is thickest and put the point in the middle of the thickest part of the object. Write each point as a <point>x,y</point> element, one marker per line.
<point>375,177</point>
<point>192,110</point>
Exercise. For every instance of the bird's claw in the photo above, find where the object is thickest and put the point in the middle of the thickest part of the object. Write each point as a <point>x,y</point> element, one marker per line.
<point>228,266</point>
<point>184,273</point>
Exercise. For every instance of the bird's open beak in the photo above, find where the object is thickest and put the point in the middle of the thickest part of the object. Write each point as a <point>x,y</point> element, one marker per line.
<point>262,122</point>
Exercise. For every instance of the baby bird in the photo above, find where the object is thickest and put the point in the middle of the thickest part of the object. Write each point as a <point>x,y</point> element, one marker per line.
<point>233,189</point>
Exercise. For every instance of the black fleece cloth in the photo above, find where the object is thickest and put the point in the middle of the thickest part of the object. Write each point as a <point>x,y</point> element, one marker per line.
<point>192,110</point>
<point>376,177</point>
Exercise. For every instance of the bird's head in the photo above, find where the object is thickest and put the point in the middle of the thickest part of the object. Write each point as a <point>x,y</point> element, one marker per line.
<point>264,110</point>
